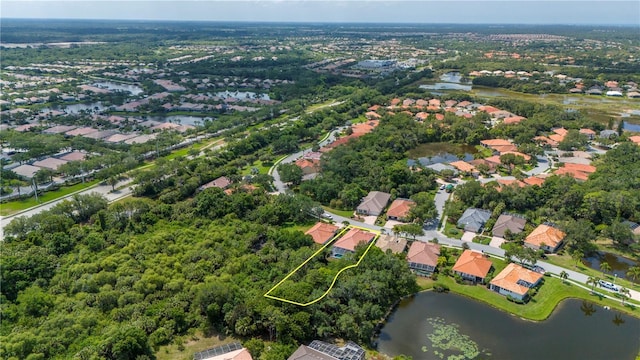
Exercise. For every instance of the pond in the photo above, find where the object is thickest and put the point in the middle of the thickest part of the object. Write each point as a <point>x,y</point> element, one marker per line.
<point>442,152</point>
<point>134,90</point>
<point>631,126</point>
<point>619,265</point>
<point>180,119</point>
<point>450,81</point>
<point>242,95</point>
<point>76,108</point>
<point>433,326</point>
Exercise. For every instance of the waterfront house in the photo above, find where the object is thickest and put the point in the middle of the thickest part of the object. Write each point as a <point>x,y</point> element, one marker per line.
<point>423,257</point>
<point>515,281</point>
<point>473,266</point>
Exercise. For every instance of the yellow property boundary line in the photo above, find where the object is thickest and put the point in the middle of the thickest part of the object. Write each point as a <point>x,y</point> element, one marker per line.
<point>377,234</point>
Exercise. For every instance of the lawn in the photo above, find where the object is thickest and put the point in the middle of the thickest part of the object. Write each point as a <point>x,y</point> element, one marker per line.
<point>192,345</point>
<point>13,207</point>
<point>343,213</point>
<point>567,262</point>
<point>452,231</point>
<point>263,168</point>
<point>551,293</point>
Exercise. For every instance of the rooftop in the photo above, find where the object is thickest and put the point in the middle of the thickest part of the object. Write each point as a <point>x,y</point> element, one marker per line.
<point>321,232</point>
<point>424,253</point>
<point>473,263</point>
<point>514,277</point>
<point>546,234</point>
<point>352,238</point>
<point>393,243</point>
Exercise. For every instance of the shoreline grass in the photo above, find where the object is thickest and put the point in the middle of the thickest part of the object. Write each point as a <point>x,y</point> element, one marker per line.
<point>550,295</point>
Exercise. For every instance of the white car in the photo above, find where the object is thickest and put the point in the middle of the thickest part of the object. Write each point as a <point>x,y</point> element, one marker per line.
<point>608,285</point>
<point>442,187</point>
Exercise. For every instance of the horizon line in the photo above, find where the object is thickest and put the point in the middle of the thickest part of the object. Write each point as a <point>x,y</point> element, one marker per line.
<point>319,22</point>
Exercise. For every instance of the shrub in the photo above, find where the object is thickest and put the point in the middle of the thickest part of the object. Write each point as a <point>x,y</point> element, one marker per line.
<point>441,288</point>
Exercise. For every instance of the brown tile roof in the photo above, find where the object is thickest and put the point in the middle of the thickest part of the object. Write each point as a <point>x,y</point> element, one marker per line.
<point>473,263</point>
<point>74,156</point>
<point>534,180</point>
<point>393,243</point>
<point>400,208</point>
<point>517,153</point>
<point>546,234</point>
<point>546,140</point>
<point>424,253</point>
<point>509,277</point>
<point>635,139</point>
<point>581,167</point>
<point>321,232</point>
<point>578,175</point>
<point>50,163</point>
<point>513,119</point>
<point>395,101</point>
<point>373,108</point>
<point>505,221</point>
<point>560,131</point>
<point>587,132</point>
<point>488,108</point>
<point>352,238</point>
<point>499,145</point>
<point>463,166</point>
<point>556,137</point>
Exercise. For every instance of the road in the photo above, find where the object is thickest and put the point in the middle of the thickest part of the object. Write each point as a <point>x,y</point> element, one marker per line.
<point>440,199</point>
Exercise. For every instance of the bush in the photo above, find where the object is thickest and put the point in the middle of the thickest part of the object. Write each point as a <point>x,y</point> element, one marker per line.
<point>434,276</point>
<point>441,288</point>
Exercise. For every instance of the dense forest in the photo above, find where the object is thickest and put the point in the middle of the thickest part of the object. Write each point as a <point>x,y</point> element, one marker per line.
<point>89,281</point>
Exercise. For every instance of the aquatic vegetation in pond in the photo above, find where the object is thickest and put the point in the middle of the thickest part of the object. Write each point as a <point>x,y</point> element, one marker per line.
<point>446,338</point>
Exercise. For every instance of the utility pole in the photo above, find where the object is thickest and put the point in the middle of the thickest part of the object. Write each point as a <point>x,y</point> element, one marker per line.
<point>35,186</point>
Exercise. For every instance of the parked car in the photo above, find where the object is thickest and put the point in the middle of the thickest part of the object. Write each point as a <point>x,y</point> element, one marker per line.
<point>442,187</point>
<point>539,269</point>
<point>327,216</point>
<point>608,285</point>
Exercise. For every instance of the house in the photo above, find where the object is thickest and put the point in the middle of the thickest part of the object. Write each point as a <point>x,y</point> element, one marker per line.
<point>513,223</point>
<point>348,242</point>
<point>513,120</point>
<point>545,237</point>
<point>222,182</point>
<point>308,166</point>
<point>472,266</point>
<point>590,134</point>
<point>233,351</point>
<point>73,156</point>
<point>608,134</point>
<point>423,257</point>
<point>320,350</point>
<point>322,232</point>
<point>534,180</point>
<point>579,172</point>
<point>399,209</point>
<point>374,203</point>
<point>515,281</point>
<point>635,227</point>
<point>393,243</point>
<point>50,163</point>
<point>499,145</point>
<point>492,166</point>
<point>474,219</point>
<point>635,139</point>
<point>26,171</point>
<point>465,167</point>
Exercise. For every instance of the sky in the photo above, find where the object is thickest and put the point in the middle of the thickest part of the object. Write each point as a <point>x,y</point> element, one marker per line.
<point>579,12</point>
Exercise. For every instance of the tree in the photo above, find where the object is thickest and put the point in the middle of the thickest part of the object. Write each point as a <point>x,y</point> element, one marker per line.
<point>634,273</point>
<point>113,181</point>
<point>412,229</point>
<point>593,281</point>
<point>624,294</point>
<point>564,276</point>
<point>44,175</point>
<point>290,173</point>
<point>573,141</point>
<point>605,267</point>
<point>619,233</point>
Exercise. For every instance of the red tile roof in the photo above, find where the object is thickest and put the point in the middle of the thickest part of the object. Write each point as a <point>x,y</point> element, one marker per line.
<point>513,119</point>
<point>473,263</point>
<point>424,253</point>
<point>546,234</point>
<point>534,180</point>
<point>400,208</point>
<point>352,238</point>
<point>635,139</point>
<point>321,232</point>
<point>510,276</point>
<point>463,166</point>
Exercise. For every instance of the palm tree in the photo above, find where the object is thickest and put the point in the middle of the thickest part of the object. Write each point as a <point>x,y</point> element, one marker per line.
<point>593,281</point>
<point>624,293</point>
<point>564,276</point>
<point>605,267</point>
<point>617,319</point>
<point>587,308</point>
<point>634,273</point>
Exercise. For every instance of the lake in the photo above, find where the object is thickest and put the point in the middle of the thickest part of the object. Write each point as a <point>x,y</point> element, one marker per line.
<point>134,90</point>
<point>242,95</point>
<point>75,108</point>
<point>619,265</point>
<point>442,152</point>
<point>631,126</point>
<point>450,81</point>
<point>422,327</point>
<point>180,119</point>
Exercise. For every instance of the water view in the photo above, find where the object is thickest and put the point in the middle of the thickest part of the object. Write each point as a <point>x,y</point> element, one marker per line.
<point>181,119</point>
<point>76,108</point>
<point>619,265</point>
<point>631,126</point>
<point>242,95</point>
<point>433,326</point>
<point>450,81</point>
<point>134,90</point>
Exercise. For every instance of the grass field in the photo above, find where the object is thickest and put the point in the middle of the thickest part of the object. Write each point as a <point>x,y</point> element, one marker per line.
<point>343,213</point>
<point>13,207</point>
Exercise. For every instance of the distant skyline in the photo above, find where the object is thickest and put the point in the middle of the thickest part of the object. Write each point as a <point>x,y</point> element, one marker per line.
<point>571,12</point>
